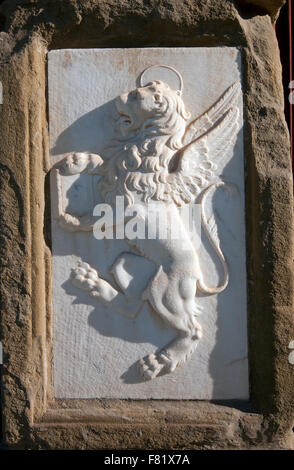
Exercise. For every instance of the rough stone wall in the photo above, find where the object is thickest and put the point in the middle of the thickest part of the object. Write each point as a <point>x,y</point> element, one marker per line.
<point>31,417</point>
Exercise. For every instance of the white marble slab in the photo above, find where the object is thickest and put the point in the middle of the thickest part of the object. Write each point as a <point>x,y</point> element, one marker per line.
<point>96,350</point>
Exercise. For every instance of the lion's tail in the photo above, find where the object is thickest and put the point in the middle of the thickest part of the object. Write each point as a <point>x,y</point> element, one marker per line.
<point>212,235</point>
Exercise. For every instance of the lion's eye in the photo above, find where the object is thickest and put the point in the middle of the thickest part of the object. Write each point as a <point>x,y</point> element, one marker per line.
<point>157,98</point>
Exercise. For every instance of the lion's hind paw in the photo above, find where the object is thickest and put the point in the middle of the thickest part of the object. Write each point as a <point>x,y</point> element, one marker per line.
<point>151,365</point>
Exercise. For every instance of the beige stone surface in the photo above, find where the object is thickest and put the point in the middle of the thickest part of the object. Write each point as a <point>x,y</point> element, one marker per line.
<point>32,419</point>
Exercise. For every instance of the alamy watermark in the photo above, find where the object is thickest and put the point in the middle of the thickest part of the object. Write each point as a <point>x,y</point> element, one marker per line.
<point>153,220</point>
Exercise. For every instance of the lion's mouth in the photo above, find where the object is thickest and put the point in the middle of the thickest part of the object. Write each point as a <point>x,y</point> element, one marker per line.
<point>125,118</point>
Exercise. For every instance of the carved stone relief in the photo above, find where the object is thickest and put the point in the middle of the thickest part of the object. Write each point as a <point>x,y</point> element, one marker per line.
<point>148,224</point>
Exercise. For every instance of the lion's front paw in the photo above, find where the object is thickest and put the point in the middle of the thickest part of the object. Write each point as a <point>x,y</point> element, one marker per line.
<point>84,277</point>
<point>78,162</point>
<point>151,365</point>
<point>74,164</point>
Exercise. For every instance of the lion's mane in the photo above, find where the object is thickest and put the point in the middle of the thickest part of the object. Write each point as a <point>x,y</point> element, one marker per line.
<point>140,161</point>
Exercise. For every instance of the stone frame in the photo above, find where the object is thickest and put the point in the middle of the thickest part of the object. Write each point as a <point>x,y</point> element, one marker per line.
<point>31,418</point>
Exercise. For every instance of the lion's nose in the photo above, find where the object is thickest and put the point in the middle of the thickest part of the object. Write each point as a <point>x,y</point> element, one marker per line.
<point>140,93</point>
<point>136,94</point>
<point>124,98</point>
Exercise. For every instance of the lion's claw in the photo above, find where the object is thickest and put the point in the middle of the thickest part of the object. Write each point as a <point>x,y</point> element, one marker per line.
<point>84,277</point>
<point>151,365</point>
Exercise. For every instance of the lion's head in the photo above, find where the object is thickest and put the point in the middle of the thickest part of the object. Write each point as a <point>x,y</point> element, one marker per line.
<point>152,122</point>
<point>154,107</point>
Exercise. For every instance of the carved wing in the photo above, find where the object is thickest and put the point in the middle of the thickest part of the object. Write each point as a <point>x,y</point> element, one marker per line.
<point>204,122</point>
<point>194,166</point>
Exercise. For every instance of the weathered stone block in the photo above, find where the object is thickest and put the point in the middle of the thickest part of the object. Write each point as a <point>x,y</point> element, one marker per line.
<point>33,418</point>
